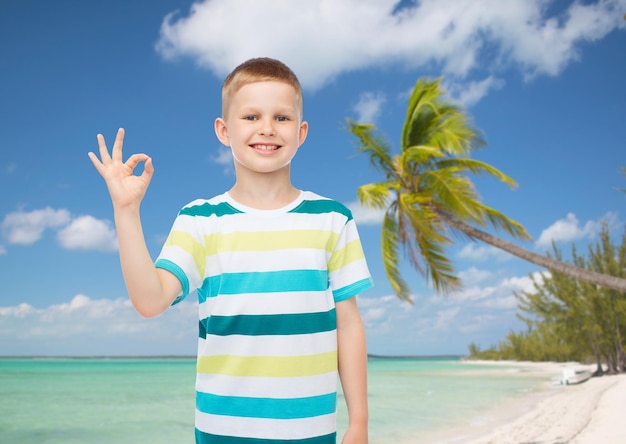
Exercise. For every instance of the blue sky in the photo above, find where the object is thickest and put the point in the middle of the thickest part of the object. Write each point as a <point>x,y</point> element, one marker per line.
<point>544,81</point>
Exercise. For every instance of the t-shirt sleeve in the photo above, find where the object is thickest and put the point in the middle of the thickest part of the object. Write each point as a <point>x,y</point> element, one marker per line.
<point>183,254</point>
<point>347,268</point>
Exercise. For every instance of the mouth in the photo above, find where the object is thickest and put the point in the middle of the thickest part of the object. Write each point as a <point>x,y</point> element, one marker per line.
<point>265,147</point>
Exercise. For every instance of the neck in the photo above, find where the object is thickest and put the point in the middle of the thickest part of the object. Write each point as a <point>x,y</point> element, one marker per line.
<point>265,192</point>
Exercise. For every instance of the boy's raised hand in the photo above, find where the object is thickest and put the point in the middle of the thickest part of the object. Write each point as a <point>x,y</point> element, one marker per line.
<point>125,188</point>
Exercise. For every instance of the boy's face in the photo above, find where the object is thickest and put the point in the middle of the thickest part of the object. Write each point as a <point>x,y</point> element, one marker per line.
<point>263,126</point>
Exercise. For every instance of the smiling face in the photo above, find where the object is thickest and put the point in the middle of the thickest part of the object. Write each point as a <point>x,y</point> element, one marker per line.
<point>263,126</point>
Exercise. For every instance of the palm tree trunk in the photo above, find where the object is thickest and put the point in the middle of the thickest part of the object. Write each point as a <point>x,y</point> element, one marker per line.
<point>566,269</point>
<point>596,352</point>
<point>617,343</point>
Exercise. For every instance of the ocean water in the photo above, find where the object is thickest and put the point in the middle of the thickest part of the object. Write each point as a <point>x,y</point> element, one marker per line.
<point>119,401</point>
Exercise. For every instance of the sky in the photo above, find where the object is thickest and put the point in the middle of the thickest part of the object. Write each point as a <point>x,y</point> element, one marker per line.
<point>543,80</point>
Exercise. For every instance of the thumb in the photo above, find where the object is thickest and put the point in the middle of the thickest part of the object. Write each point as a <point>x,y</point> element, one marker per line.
<point>148,169</point>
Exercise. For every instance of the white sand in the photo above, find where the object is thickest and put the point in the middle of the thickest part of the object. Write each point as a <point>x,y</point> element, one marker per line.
<point>592,412</point>
<point>587,413</point>
<point>608,420</point>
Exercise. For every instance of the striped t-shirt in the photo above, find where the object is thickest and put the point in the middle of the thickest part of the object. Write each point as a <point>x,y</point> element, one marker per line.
<point>267,282</point>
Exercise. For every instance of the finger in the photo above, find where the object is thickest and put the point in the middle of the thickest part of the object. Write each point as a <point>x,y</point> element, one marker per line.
<point>148,169</point>
<point>135,159</point>
<point>116,152</point>
<point>104,152</point>
<point>96,162</point>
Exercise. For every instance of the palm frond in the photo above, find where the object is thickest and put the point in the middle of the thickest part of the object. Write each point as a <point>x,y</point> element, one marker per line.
<point>418,122</point>
<point>453,132</point>
<point>391,261</point>
<point>477,167</point>
<point>429,243</point>
<point>501,222</point>
<point>432,121</point>
<point>375,195</point>
<point>407,235</point>
<point>418,157</point>
<point>454,192</point>
<point>373,145</point>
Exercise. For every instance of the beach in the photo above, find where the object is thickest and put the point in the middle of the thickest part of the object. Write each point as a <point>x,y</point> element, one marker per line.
<point>586,413</point>
<point>426,400</point>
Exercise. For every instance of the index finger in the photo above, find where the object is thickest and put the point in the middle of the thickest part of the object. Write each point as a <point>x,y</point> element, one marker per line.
<point>96,162</point>
<point>116,152</point>
<point>104,152</point>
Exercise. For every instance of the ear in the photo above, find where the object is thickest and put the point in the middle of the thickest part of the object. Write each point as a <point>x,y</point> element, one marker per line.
<point>304,130</point>
<point>221,131</point>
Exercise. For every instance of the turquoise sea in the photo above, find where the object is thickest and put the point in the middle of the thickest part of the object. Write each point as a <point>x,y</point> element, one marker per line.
<point>123,400</point>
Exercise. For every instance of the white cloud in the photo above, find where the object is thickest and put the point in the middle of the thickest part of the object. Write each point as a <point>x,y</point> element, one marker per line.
<point>322,39</point>
<point>484,312</point>
<point>446,317</point>
<point>486,295</point>
<point>473,276</point>
<point>482,252</point>
<point>25,228</point>
<point>73,233</point>
<point>224,158</point>
<point>369,106</point>
<point>88,233</point>
<point>497,296</point>
<point>18,311</point>
<point>383,315</point>
<point>524,283</point>
<point>468,94</point>
<point>372,315</point>
<point>503,297</point>
<point>474,293</point>
<point>569,230</point>
<point>85,326</point>
<point>365,215</point>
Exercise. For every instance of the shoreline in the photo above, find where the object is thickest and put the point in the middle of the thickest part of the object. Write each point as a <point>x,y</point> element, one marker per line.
<point>585,413</point>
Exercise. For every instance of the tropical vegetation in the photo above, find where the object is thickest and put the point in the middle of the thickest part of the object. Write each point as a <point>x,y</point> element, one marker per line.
<point>570,320</point>
<point>427,195</point>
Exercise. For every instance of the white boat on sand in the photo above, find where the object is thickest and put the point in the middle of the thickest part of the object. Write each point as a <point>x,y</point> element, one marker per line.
<point>575,376</point>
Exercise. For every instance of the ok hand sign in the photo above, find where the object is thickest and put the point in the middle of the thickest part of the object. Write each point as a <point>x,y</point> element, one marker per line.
<point>125,188</point>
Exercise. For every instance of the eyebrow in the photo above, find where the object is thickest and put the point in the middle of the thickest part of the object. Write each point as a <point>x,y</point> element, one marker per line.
<point>280,110</point>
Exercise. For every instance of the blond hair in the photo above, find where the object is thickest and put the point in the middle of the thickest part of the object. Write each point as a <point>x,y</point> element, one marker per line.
<point>260,69</point>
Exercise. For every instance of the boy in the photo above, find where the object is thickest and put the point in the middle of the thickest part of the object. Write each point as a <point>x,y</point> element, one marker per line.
<point>275,269</point>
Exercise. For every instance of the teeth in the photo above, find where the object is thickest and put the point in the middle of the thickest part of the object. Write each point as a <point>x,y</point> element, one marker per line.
<point>266,147</point>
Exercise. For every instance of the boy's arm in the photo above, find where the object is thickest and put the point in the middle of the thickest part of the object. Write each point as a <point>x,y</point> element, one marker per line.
<point>151,290</point>
<point>352,356</point>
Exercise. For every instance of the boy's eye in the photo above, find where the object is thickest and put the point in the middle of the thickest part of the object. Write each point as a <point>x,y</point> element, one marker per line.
<point>249,117</point>
<point>282,118</point>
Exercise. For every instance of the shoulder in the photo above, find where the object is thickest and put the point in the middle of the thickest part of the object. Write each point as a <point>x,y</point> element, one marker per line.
<point>215,206</point>
<point>212,201</point>
<point>315,204</point>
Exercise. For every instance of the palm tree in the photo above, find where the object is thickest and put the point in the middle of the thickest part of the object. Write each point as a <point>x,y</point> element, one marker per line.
<point>427,195</point>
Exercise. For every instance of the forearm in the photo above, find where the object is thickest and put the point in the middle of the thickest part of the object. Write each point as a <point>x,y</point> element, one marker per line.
<point>353,375</point>
<point>352,358</point>
<point>143,282</point>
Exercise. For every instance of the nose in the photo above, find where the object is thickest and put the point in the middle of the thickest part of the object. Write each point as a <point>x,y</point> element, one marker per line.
<point>267,127</point>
